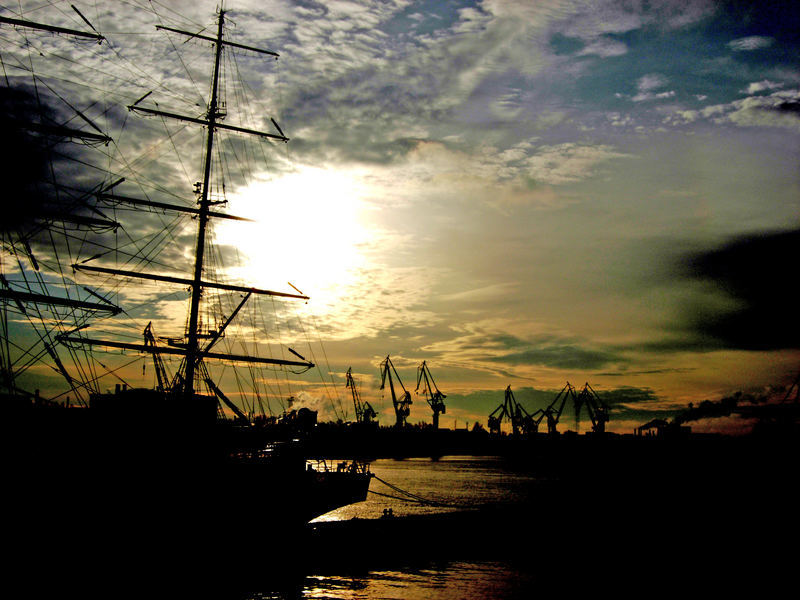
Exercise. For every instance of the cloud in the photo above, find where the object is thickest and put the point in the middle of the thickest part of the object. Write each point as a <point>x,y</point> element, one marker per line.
<point>604,18</point>
<point>777,110</point>
<point>559,356</point>
<point>604,48</point>
<point>486,293</point>
<point>569,162</point>
<point>642,97</point>
<point>650,82</point>
<point>646,86</point>
<point>620,120</point>
<point>521,174</point>
<point>751,307</point>
<point>504,343</point>
<point>629,403</point>
<point>388,89</point>
<point>752,42</point>
<point>780,109</point>
<point>762,86</point>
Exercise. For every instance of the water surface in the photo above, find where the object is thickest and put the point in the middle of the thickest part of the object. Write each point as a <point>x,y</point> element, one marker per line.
<point>426,551</point>
<point>447,484</point>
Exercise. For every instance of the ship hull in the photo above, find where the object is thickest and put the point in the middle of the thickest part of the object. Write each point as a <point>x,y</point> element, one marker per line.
<point>118,468</point>
<point>291,489</point>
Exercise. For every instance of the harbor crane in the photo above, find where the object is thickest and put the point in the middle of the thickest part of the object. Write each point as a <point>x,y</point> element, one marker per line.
<point>597,409</point>
<point>536,418</point>
<point>521,420</point>
<point>163,381</point>
<point>556,407</point>
<point>364,411</point>
<point>402,406</point>
<point>432,394</point>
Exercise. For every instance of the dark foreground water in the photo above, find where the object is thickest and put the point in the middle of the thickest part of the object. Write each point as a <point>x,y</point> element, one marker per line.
<point>494,529</point>
<point>425,531</point>
<point>436,580</point>
<point>476,527</point>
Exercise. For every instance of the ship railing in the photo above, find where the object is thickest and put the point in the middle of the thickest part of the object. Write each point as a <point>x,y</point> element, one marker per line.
<point>337,466</point>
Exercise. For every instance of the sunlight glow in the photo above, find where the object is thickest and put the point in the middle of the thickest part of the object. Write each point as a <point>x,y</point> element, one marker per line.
<point>307,232</point>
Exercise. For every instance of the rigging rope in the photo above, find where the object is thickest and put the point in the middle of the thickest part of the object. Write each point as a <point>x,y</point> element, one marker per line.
<point>131,249</point>
<point>409,496</point>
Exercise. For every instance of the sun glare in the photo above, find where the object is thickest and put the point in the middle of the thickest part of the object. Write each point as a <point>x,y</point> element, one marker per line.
<point>307,233</point>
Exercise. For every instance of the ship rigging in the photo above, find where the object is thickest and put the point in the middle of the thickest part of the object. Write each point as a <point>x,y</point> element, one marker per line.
<point>191,436</point>
<point>69,303</point>
<point>191,350</point>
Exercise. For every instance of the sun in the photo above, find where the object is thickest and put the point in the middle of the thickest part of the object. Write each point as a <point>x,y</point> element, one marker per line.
<point>308,229</point>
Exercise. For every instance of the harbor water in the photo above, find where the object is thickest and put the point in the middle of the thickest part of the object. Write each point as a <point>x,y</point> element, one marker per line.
<point>435,580</point>
<point>457,527</point>
<point>486,527</point>
<point>397,543</point>
<point>424,486</point>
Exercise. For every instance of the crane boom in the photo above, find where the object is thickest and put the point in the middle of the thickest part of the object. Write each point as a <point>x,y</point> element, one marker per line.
<point>161,372</point>
<point>553,413</point>
<point>364,411</point>
<point>521,420</point>
<point>433,396</point>
<point>597,409</point>
<point>402,405</point>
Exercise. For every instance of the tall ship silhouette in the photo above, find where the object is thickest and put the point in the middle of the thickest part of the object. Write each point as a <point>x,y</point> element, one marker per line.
<point>70,269</point>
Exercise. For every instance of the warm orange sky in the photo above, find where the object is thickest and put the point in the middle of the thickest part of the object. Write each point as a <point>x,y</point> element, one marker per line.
<point>517,194</point>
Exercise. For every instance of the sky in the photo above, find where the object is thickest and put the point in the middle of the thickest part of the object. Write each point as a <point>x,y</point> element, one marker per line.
<point>520,194</point>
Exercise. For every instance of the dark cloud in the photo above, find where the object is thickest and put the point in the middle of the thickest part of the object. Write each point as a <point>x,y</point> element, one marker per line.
<point>628,395</point>
<point>789,107</point>
<point>628,373</point>
<point>562,356</point>
<point>756,272</point>
<point>43,163</point>
<point>25,156</point>
<point>634,404</point>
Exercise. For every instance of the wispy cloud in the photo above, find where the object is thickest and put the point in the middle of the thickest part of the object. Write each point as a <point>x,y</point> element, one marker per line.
<point>752,42</point>
<point>647,86</point>
<point>780,109</point>
<point>604,48</point>
<point>763,86</point>
<point>569,162</point>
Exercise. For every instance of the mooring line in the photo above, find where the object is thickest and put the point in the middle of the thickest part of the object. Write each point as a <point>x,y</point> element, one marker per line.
<point>410,496</point>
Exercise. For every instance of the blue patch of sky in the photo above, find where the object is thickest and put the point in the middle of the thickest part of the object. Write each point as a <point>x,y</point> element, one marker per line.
<point>426,17</point>
<point>777,24</point>
<point>696,63</point>
<point>561,44</point>
<point>692,63</point>
<point>778,19</point>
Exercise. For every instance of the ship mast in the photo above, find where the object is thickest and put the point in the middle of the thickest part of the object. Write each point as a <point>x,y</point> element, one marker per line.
<point>192,351</point>
<point>202,220</point>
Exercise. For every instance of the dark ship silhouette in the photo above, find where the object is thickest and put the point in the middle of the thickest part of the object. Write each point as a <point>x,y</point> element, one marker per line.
<point>166,457</point>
